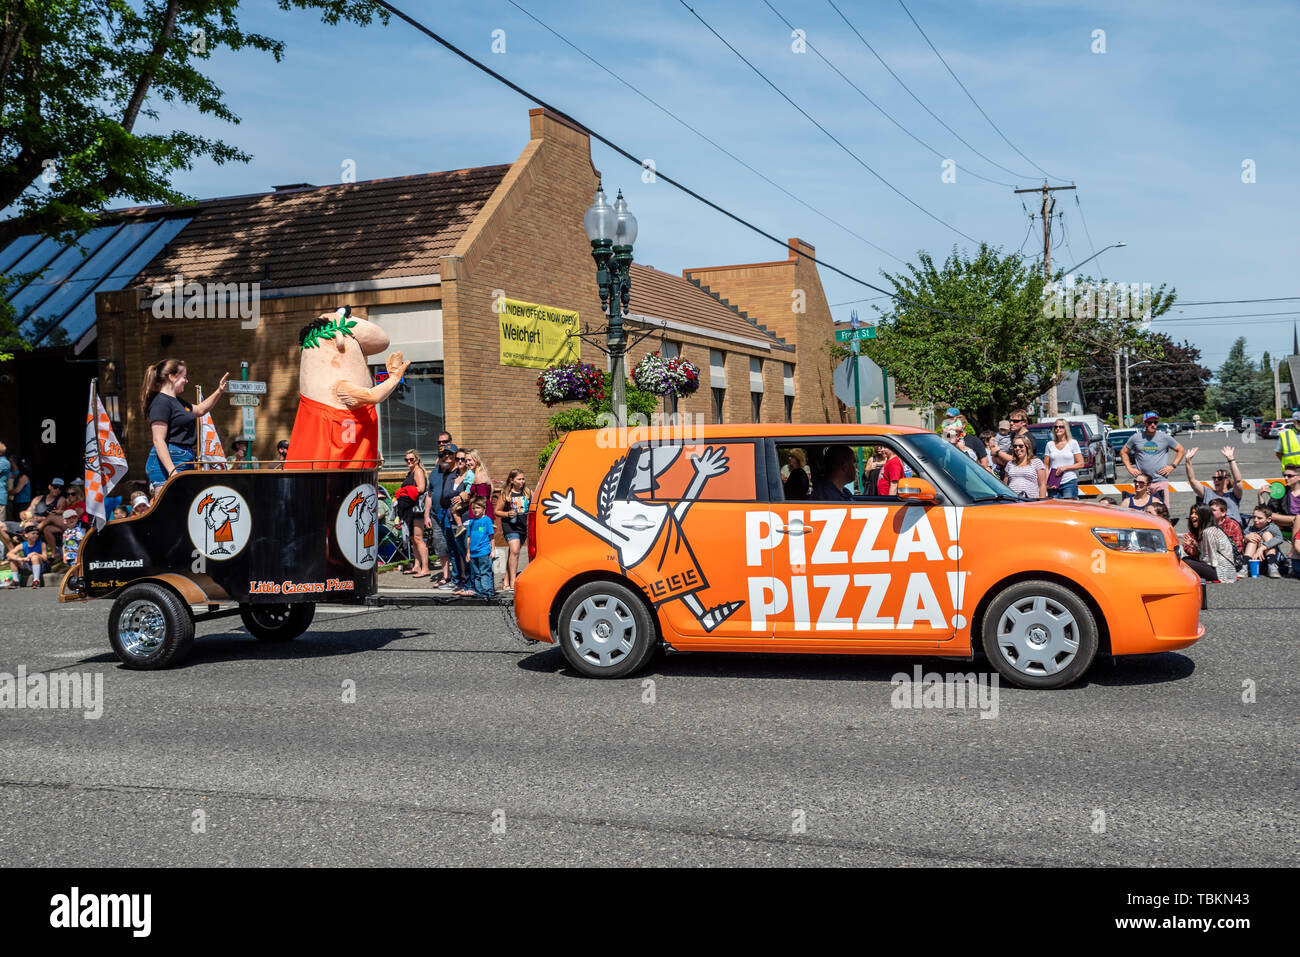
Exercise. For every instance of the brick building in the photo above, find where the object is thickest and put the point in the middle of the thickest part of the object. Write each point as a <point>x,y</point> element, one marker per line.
<point>428,257</point>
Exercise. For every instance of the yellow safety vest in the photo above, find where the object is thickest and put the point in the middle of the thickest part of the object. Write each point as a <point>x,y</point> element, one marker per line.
<point>1290,447</point>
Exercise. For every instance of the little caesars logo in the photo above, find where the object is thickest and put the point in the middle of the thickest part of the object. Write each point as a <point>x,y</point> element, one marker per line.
<point>356,527</point>
<point>219,523</point>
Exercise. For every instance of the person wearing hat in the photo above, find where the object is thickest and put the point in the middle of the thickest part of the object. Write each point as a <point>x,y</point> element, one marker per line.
<point>454,567</point>
<point>52,502</point>
<point>29,555</point>
<point>1287,448</point>
<point>1147,453</point>
<point>1227,484</point>
<point>139,503</point>
<point>239,455</point>
<point>55,524</point>
<point>74,530</point>
<point>282,450</point>
<point>950,416</point>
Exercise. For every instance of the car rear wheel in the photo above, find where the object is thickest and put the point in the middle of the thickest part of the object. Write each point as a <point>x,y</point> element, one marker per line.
<point>1039,634</point>
<point>605,630</point>
<point>150,627</point>
<point>277,622</point>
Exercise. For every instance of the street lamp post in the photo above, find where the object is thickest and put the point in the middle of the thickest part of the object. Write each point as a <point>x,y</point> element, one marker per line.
<point>612,231</point>
<point>1094,256</point>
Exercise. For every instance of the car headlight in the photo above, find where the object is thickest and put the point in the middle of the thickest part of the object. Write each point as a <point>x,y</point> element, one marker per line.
<point>1132,539</point>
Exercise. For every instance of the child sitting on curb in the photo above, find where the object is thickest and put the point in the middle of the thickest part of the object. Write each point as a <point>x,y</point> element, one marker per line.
<point>1263,541</point>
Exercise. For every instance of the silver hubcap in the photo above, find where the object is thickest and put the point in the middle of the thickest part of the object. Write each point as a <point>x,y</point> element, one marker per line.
<point>141,629</point>
<point>1038,636</point>
<point>602,631</point>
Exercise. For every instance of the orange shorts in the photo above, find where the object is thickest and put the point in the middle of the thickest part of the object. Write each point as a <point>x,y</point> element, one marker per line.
<point>327,438</point>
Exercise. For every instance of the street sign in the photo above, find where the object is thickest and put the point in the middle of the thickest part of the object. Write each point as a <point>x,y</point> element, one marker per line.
<point>250,430</point>
<point>846,335</point>
<point>245,400</point>
<point>245,387</point>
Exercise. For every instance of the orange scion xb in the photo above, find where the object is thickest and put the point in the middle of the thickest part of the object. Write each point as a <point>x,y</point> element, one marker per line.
<point>781,538</point>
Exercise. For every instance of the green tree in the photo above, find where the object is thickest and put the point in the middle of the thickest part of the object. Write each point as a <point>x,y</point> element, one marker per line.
<point>77,75</point>
<point>1172,379</point>
<point>1239,389</point>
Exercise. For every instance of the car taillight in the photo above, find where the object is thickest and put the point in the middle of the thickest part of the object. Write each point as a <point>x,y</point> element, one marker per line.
<point>532,534</point>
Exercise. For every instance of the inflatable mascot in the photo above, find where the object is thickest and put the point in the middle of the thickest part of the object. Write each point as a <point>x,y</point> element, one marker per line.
<point>337,425</point>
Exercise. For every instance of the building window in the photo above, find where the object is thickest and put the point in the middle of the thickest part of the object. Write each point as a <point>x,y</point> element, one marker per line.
<point>789,408</point>
<point>757,399</point>
<point>718,396</point>
<point>413,415</point>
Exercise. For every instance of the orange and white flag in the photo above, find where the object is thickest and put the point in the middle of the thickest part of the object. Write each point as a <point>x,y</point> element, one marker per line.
<point>105,460</point>
<point>210,449</point>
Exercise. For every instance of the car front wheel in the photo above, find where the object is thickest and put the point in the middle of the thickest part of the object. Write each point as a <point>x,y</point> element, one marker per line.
<point>1039,634</point>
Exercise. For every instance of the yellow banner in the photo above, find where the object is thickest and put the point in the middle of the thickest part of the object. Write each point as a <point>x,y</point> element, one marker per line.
<point>535,336</point>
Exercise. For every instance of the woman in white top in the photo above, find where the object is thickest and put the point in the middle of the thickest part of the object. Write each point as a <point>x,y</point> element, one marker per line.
<point>1064,457</point>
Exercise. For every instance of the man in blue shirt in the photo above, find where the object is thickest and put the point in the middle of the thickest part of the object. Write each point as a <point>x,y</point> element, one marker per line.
<point>1147,453</point>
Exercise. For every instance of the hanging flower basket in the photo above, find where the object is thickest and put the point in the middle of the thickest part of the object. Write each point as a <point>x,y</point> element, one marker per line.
<point>570,382</point>
<point>676,377</point>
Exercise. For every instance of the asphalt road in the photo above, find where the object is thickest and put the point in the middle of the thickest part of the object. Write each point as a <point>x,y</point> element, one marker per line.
<point>457,725</point>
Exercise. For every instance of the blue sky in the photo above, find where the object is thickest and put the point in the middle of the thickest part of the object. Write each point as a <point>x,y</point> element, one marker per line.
<point>1153,131</point>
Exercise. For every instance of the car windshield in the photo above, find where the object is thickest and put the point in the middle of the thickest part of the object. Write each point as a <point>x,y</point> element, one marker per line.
<point>936,454</point>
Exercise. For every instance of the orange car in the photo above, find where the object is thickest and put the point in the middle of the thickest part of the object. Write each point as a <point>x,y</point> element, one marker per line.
<point>709,539</point>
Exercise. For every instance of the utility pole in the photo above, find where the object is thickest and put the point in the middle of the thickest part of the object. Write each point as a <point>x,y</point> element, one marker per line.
<point>1277,390</point>
<point>1119,395</point>
<point>1049,205</point>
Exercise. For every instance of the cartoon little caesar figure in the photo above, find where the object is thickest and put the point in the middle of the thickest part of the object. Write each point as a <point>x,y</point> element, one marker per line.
<point>648,535</point>
<point>337,425</point>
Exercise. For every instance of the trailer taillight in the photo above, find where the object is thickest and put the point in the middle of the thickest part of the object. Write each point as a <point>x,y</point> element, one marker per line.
<point>532,534</point>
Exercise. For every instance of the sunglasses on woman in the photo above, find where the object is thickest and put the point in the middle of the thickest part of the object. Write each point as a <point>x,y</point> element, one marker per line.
<point>1141,484</point>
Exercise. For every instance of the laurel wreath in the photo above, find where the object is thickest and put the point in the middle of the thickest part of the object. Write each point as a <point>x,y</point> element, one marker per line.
<point>608,488</point>
<point>337,326</point>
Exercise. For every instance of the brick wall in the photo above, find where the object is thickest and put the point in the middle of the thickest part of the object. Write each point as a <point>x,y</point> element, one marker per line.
<point>765,291</point>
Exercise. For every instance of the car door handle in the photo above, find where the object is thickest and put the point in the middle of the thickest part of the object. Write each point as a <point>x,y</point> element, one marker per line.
<point>638,524</point>
<point>795,529</point>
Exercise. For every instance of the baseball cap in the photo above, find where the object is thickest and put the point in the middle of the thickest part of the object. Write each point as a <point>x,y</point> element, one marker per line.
<point>56,481</point>
<point>70,514</point>
<point>1296,415</point>
<point>451,447</point>
<point>1004,424</point>
<point>953,410</point>
<point>139,497</point>
<point>1150,415</point>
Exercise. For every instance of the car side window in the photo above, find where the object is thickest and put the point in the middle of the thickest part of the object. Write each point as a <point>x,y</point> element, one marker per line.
<point>831,471</point>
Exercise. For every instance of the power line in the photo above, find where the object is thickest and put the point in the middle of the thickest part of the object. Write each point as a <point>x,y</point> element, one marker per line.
<point>1234,302</point>
<point>703,136</point>
<point>968,94</point>
<point>667,179</point>
<point>1192,320</point>
<point>882,110</point>
<point>919,101</point>
<point>828,133</point>
<point>852,302</point>
<point>1083,219</point>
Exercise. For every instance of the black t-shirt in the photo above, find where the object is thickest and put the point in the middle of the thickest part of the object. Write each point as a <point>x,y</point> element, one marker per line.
<point>181,423</point>
<point>974,443</point>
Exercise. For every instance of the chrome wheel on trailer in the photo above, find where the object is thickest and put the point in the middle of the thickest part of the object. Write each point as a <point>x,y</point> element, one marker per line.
<point>1039,634</point>
<point>150,627</point>
<point>141,629</point>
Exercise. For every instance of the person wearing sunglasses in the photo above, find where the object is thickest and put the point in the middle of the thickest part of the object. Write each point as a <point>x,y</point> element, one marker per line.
<point>1226,485</point>
<point>1064,459</point>
<point>1143,495</point>
<point>1147,453</point>
<point>1019,424</point>
<point>1026,473</point>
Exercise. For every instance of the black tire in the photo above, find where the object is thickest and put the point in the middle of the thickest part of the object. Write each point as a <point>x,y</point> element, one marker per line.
<point>276,622</point>
<point>150,627</point>
<point>1048,642</point>
<point>606,630</point>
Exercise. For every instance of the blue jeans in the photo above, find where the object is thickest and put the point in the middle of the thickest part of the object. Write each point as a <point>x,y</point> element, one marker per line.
<point>481,576</point>
<point>181,459</point>
<point>1067,490</point>
<point>456,549</point>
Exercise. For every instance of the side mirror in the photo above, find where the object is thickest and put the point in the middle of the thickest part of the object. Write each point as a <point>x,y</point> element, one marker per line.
<point>916,490</point>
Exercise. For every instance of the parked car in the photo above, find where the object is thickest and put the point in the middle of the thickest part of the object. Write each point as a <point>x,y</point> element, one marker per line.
<point>1276,428</point>
<point>1224,426</point>
<point>1264,427</point>
<point>1098,464</point>
<point>1115,440</point>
